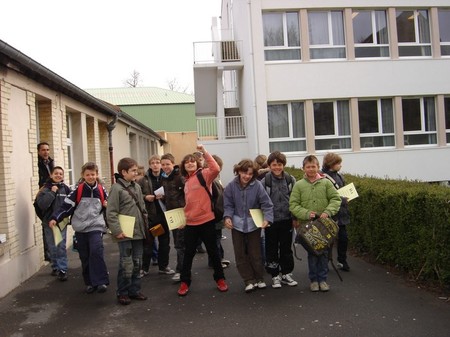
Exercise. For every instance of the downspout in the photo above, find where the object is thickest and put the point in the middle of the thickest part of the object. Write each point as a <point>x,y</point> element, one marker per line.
<point>111,126</point>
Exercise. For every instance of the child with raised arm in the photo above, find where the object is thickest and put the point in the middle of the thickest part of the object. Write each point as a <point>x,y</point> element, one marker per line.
<point>125,198</point>
<point>85,205</point>
<point>311,197</point>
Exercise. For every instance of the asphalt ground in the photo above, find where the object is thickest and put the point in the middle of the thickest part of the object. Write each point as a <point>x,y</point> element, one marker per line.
<point>369,302</point>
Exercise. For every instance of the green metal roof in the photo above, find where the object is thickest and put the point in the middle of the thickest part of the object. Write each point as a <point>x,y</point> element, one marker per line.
<point>140,96</point>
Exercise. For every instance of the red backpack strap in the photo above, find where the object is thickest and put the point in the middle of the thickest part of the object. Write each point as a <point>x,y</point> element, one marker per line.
<point>79,192</point>
<point>102,194</point>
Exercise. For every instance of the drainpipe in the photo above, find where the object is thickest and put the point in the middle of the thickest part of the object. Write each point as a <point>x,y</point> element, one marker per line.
<point>111,126</point>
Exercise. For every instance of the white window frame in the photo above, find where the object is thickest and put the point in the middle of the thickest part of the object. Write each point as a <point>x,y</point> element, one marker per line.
<point>285,45</point>
<point>443,44</point>
<point>290,137</point>
<point>417,42</point>
<point>69,147</point>
<point>447,117</point>
<point>423,124</point>
<point>330,45</point>
<point>336,136</point>
<point>380,132</point>
<point>375,44</point>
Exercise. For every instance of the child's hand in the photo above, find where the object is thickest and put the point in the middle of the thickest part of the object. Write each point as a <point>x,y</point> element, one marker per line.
<point>201,148</point>
<point>265,224</point>
<point>105,203</point>
<point>52,223</point>
<point>295,223</point>
<point>323,215</point>
<point>54,188</point>
<point>228,223</point>
<point>120,236</point>
<point>312,215</point>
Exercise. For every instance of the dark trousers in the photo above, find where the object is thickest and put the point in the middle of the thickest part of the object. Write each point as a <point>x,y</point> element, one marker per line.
<point>247,252</point>
<point>90,250</point>
<point>206,232</point>
<point>219,247</point>
<point>342,244</point>
<point>164,247</point>
<point>279,257</point>
<point>178,239</point>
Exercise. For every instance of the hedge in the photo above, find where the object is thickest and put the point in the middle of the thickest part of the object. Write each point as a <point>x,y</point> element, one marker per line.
<point>402,223</point>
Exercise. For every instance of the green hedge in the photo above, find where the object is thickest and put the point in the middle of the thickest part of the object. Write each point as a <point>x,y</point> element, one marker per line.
<point>403,223</point>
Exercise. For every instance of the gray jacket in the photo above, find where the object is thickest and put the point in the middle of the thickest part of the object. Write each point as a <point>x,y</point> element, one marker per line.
<point>238,201</point>
<point>279,193</point>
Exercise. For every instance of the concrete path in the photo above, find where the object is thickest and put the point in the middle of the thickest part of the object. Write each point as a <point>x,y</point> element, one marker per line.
<point>369,302</point>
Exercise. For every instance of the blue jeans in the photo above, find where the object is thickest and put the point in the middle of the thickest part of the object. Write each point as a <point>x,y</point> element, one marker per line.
<point>58,254</point>
<point>128,278</point>
<point>90,249</point>
<point>318,267</point>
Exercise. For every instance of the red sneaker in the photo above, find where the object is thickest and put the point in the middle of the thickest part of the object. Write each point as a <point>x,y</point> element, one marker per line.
<point>221,285</point>
<point>183,290</point>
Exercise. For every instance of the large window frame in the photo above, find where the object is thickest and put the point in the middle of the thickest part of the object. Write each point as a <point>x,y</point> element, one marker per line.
<point>287,127</point>
<point>413,32</point>
<point>447,118</point>
<point>444,31</point>
<point>376,123</point>
<point>281,31</point>
<point>332,125</point>
<point>326,35</point>
<point>419,121</point>
<point>370,33</point>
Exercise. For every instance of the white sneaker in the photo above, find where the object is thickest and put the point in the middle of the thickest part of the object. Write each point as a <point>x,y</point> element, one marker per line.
<point>176,277</point>
<point>276,282</point>
<point>167,271</point>
<point>260,285</point>
<point>324,286</point>
<point>287,279</point>
<point>314,286</point>
<point>249,287</point>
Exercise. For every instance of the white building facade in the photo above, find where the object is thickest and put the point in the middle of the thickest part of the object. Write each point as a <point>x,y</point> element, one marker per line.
<point>366,79</point>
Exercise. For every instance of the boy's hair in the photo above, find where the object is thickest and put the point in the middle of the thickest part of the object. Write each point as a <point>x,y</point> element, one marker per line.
<point>126,164</point>
<point>154,157</point>
<point>168,156</point>
<point>218,160</point>
<point>187,158</point>
<point>141,170</point>
<point>56,168</point>
<point>277,156</point>
<point>89,166</point>
<point>330,160</point>
<point>310,159</point>
<point>42,143</point>
<point>261,161</point>
<point>244,165</point>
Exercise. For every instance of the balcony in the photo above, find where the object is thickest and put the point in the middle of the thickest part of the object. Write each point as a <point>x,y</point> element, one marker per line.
<point>227,53</point>
<point>221,128</point>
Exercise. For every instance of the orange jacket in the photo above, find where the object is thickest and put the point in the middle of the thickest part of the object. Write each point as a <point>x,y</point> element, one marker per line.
<point>198,204</point>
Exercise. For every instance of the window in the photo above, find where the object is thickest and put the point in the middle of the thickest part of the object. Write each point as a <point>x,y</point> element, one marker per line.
<point>69,142</point>
<point>413,31</point>
<point>444,31</point>
<point>326,35</point>
<point>287,127</point>
<point>332,125</point>
<point>376,123</point>
<point>281,36</point>
<point>419,121</point>
<point>447,118</point>
<point>370,34</point>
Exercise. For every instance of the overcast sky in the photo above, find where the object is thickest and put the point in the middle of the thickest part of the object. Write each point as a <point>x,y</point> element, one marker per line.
<point>98,43</point>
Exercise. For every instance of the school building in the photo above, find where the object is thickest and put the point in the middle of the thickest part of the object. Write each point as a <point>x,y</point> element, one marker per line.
<point>38,105</point>
<point>366,79</point>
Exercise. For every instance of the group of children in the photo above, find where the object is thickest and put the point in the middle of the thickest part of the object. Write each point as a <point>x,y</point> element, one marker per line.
<point>285,204</point>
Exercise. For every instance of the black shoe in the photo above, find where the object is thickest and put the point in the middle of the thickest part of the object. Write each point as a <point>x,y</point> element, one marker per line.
<point>343,266</point>
<point>123,299</point>
<point>139,296</point>
<point>54,272</point>
<point>62,276</point>
<point>200,250</point>
<point>89,289</point>
<point>102,288</point>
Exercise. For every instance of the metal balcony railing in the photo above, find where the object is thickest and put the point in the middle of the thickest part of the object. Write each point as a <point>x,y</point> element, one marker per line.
<point>219,128</point>
<point>217,51</point>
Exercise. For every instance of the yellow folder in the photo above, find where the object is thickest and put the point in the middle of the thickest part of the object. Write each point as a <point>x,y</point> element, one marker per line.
<point>175,218</point>
<point>127,224</point>
<point>257,216</point>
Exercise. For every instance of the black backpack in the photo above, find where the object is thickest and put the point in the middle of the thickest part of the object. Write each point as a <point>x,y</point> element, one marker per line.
<point>216,196</point>
<point>268,182</point>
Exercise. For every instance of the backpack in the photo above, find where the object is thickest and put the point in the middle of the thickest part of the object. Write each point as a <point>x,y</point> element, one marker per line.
<point>268,182</point>
<point>39,212</point>
<point>102,197</point>
<point>317,236</point>
<point>216,196</point>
